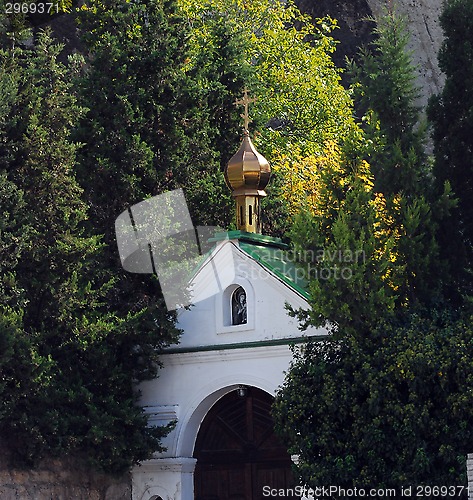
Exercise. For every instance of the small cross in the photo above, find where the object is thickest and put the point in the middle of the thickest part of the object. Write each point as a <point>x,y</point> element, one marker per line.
<point>245,101</point>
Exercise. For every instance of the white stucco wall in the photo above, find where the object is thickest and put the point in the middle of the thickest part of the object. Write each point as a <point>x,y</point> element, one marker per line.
<point>204,323</point>
<point>214,360</point>
<point>188,386</point>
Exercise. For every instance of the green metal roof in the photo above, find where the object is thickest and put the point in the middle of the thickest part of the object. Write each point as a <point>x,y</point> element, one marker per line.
<point>277,261</point>
<point>272,254</point>
<point>260,239</point>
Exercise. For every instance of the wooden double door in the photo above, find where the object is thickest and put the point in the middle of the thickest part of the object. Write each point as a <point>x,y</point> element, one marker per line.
<point>238,454</point>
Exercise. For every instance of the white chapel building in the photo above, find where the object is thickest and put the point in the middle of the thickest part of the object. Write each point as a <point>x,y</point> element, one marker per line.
<point>218,383</point>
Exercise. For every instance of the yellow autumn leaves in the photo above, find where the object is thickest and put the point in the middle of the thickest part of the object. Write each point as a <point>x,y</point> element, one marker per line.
<point>303,117</point>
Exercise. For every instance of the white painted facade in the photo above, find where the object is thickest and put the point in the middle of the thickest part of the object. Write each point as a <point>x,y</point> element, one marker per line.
<point>469,470</point>
<point>214,358</point>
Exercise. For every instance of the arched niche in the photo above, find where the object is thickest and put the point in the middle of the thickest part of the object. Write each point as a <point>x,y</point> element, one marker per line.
<point>236,307</point>
<point>188,426</point>
<point>155,493</point>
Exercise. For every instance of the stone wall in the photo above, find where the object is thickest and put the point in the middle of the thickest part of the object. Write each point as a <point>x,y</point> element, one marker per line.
<point>59,480</point>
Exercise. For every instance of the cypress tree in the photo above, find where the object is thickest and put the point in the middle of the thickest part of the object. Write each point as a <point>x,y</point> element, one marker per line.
<point>385,400</point>
<point>80,358</point>
<point>385,91</point>
<point>147,130</point>
<point>451,113</point>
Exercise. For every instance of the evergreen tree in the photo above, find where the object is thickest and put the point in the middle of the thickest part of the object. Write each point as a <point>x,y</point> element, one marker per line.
<point>21,368</point>
<point>349,249</point>
<point>141,136</point>
<point>155,116</point>
<point>385,90</point>
<point>384,412</point>
<point>218,68</point>
<point>85,330</point>
<point>81,357</point>
<point>451,113</point>
<point>385,401</point>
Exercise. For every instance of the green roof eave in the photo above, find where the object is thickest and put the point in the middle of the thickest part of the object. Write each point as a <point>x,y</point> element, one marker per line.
<point>271,253</point>
<point>274,265</point>
<point>245,345</point>
<point>257,238</point>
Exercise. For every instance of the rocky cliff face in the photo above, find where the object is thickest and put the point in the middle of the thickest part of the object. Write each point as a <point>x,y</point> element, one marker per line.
<point>426,39</point>
<point>424,27</point>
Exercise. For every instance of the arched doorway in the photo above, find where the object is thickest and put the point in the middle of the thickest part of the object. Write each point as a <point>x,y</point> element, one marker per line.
<point>237,452</point>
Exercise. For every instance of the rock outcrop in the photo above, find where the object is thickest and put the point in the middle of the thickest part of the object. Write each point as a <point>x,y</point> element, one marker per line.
<point>355,30</point>
<point>426,39</point>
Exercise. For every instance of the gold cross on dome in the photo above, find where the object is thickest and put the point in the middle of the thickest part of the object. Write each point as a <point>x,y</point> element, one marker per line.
<point>244,102</point>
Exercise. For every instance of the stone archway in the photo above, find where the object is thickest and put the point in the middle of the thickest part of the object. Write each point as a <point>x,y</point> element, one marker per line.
<point>237,452</point>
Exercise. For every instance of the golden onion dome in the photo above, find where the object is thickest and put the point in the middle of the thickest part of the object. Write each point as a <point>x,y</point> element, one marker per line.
<point>248,171</point>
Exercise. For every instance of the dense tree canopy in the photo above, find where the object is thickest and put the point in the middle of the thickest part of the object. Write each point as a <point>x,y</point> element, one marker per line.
<point>69,357</point>
<point>149,107</point>
<point>301,104</point>
<point>139,114</point>
<point>386,400</point>
<point>451,113</point>
<point>389,410</point>
<point>353,236</point>
<point>147,129</point>
<point>385,90</point>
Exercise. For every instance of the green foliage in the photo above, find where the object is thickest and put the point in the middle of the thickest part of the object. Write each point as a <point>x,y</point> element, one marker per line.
<point>14,28</point>
<point>13,239</point>
<point>384,88</point>
<point>451,113</point>
<point>217,66</point>
<point>78,144</point>
<point>301,94</point>
<point>132,87</point>
<point>302,108</point>
<point>385,411</point>
<point>23,372</point>
<point>13,231</point>
<point>356,273</point>
<point>301,103</point>
<point>69,359</point>
<point>154,117</point>
<point>386,400</point>
<point>217,49</point>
